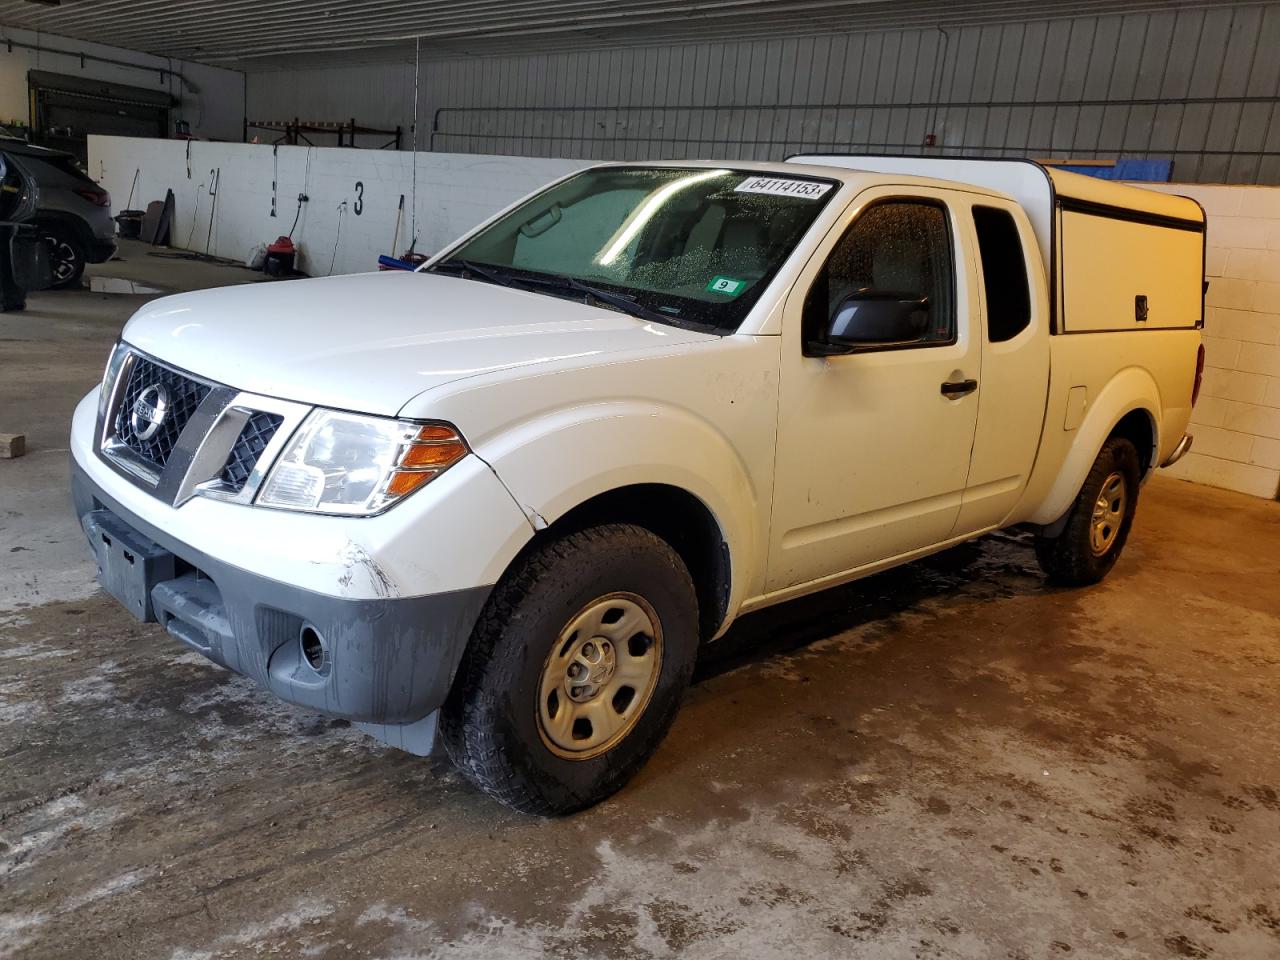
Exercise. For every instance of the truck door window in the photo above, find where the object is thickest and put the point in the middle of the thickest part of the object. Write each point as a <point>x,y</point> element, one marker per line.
<point>903,246</point>
<point>1004,273</point>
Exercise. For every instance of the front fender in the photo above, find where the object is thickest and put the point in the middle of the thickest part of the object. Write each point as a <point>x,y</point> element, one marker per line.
<point>565,457</point>
<point>1133,388</point>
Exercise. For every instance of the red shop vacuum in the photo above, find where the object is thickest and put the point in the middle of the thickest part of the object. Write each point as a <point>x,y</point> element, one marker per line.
<point>280,258</point>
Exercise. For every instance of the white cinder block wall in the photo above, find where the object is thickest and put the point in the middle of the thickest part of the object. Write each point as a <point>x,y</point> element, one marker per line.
<point>354,195</point>
<point>1237,421</point>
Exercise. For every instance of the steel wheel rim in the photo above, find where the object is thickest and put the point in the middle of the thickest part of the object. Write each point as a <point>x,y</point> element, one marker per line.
<point>599,676</point>
<point>1108,513</point>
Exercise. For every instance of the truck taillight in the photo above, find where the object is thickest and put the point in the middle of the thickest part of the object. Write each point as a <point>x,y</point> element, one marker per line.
<point>97,197</point>
<point>1195,388</point>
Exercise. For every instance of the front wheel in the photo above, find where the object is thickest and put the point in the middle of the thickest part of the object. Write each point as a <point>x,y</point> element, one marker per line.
<point>1086,549</point>
<point>575,671</point>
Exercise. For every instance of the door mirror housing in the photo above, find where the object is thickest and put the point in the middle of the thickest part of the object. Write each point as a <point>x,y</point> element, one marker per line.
<point>877,318</point>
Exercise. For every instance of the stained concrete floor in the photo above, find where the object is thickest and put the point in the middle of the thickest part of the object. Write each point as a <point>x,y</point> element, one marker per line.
<point>947,761</point>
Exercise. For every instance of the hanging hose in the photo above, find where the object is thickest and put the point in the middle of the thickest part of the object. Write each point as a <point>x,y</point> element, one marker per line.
<point>297,214</point>
<point>195,216</point>
<point>215,176</point>
<point>342,209</point>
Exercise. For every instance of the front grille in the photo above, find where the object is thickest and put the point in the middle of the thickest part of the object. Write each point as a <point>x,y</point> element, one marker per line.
<point>257,433</point>
<point>182,396</point>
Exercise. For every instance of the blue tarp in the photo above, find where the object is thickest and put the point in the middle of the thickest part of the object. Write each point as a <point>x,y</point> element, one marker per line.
<point>1151,171</point>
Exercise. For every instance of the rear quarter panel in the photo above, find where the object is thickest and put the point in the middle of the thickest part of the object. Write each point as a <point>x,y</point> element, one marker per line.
<point>1152,370</point>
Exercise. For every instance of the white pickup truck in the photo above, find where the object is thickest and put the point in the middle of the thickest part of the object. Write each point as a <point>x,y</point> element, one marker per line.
<point>502,501</point>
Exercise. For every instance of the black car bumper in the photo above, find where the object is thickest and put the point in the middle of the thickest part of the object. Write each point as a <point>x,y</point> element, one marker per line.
<point>99,251</point>
<point>385,664</point>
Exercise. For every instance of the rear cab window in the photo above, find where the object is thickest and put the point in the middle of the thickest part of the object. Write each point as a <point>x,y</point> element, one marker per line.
<point>1004,273</point>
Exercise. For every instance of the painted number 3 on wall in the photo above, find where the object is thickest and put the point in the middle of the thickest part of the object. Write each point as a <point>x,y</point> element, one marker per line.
<point>359,205</point>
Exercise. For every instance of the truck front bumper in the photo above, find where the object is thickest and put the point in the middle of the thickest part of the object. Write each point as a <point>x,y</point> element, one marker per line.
<point>384,663</point>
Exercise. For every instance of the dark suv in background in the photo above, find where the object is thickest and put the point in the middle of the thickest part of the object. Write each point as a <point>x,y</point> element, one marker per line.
<point>48,188</point>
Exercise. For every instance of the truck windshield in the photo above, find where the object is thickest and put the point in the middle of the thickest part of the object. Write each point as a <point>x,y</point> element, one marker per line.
<point>687,246</point>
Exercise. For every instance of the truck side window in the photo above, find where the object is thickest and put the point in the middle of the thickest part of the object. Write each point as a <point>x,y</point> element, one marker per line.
<point>1004,273</point>
<point>900,245</point>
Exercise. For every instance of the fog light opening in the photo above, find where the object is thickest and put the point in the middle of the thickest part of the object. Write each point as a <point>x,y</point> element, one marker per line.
<point>313,650</point>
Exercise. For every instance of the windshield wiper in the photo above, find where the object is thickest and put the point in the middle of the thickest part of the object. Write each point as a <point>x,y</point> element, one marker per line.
<point>619,302</point>
<point>480,270</point>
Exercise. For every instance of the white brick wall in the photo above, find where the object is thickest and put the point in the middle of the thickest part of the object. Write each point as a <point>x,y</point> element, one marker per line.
<point>1237,422</point>
<point>455,192</point>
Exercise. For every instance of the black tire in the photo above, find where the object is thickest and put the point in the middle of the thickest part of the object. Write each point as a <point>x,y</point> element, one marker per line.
<point>1072,558</point>
<point>67,253</point>
<point>491,724</point>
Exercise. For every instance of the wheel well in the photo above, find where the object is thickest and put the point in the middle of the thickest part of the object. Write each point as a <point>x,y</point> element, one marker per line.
<point>679,518</point>
<point>78,228</point>
<point>1138,428</point>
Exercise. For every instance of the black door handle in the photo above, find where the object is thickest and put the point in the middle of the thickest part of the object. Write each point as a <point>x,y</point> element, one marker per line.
<point>956,389</point>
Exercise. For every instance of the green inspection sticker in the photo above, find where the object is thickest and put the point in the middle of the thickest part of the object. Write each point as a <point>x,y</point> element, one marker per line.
<point>727,286</point>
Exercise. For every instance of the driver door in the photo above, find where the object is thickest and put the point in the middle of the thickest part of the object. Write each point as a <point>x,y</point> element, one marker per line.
<point>873,444</point>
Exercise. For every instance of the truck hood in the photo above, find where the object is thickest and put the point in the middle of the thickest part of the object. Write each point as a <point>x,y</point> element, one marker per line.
<point>372,342</point>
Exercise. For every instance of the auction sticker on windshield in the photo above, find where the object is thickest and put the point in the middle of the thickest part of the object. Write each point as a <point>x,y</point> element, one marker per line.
<point>779,187</point>
<point>726,285</point>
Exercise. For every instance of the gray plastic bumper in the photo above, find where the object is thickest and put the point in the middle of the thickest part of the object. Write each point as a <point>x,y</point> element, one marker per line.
<point>387,663</point>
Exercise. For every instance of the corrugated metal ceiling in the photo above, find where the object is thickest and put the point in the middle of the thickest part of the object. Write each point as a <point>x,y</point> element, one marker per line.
<point>264,33</point>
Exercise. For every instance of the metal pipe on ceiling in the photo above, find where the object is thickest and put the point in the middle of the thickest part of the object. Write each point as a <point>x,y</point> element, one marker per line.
<point>163,72</point>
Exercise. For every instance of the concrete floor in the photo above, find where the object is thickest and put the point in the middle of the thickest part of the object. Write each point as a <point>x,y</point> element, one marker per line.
<point>947,761</point>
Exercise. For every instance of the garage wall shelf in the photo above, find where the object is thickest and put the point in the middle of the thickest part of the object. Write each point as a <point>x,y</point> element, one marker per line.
<point>298,132</point>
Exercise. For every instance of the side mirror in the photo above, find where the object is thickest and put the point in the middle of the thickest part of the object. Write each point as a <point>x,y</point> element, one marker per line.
<point>878,317</point>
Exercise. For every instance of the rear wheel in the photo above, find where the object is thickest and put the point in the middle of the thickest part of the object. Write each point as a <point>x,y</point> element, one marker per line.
<point>575,671</point>
<point>1089,545</point>
<point>67,255</point>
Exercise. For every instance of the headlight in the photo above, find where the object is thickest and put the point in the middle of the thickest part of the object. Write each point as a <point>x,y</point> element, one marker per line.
<point>348,464</point>
<point>114,363</point>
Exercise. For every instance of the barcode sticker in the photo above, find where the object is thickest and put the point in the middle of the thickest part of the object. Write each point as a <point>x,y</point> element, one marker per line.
<point>779,187</point>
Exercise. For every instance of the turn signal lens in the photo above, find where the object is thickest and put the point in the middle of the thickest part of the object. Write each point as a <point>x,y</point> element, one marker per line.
<point>409,481</point>
<point>435,433</point>
<point>435,449</point>
<point>433,455</point>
